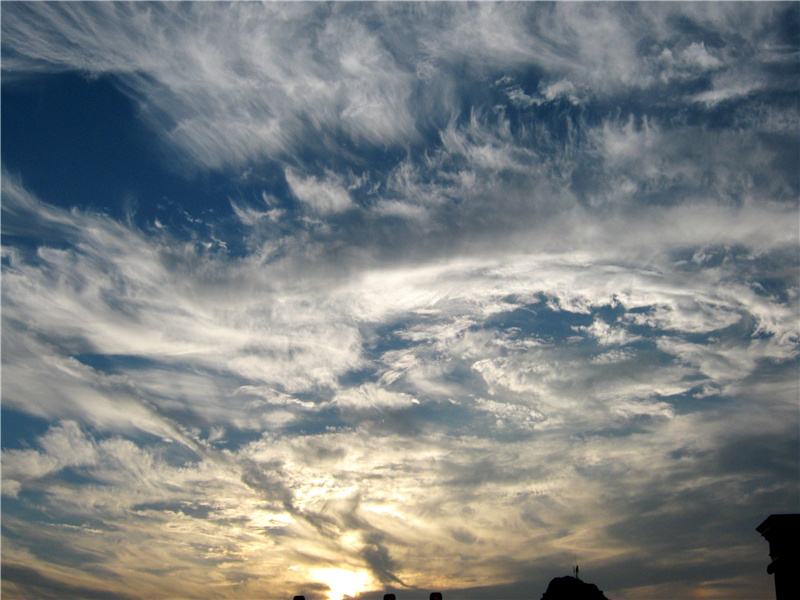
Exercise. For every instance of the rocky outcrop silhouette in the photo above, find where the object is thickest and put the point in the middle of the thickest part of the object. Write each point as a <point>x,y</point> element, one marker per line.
<point>570,588</point>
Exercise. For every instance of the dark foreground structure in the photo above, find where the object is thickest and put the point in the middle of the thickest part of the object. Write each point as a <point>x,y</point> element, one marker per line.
<point>560,588</point>
<point>783,534</point>
<point>572,588</point>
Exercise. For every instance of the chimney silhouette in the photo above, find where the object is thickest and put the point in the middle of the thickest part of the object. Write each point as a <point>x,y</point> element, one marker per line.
<point>783,534</point>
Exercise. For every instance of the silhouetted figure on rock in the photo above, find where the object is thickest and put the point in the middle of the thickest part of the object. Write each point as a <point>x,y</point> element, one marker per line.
<point>571,588</point>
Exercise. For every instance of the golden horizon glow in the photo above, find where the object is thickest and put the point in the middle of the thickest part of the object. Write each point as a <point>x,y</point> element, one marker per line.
<point>342,582</point>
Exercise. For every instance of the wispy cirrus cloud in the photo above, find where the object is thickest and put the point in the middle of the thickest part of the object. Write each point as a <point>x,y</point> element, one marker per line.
<point>484,286</point>
<point>326,195</point>
<point>276,75</point>
<point>441,305</point>
<point>487,347</point>
<point>254,82</point>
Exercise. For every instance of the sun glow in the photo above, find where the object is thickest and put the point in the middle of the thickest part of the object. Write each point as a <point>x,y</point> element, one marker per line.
<point>342,583</point>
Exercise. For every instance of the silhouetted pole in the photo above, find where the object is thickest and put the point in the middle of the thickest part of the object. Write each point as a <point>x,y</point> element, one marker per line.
<point>783,534</point>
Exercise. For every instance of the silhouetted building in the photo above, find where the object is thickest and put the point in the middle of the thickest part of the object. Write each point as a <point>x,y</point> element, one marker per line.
<point>783,534</point>
<point>571,588</point>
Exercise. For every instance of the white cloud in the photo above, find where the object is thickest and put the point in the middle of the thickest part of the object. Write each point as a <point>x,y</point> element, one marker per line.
<point>698,56</point>
<point>397,208</point>
<point>252,217</point>
<point>370,396</point>
<point>326,195</point>
<point>536,321</point>
<point>252,81</point>
<point>285,340</point>
<point>608,335</point>
<point>227,87</point>
<point>723,92</point>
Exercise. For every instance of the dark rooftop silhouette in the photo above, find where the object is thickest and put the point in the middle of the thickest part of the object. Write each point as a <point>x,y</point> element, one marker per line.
<point>783,534</point>
<point>572,588</point>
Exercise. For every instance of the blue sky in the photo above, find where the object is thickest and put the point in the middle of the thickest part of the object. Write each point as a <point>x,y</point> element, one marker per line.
<point>340,299</point>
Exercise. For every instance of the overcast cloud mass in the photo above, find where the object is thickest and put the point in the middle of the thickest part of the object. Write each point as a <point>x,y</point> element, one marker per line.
<point>343,299</point>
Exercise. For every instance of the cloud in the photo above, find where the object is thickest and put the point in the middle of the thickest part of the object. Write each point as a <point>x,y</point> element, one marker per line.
<point>25,580</point>
<point>327,195</point>
<point>231,88</point>
<point>371,396</point>
<point>308,339</point>
<point>276,74</point>
<point>512,285</point>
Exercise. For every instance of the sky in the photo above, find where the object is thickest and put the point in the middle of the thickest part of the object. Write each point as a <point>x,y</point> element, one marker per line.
<point>346,299</point>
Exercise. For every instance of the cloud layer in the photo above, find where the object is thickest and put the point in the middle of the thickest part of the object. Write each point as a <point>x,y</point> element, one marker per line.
<point>488,286</point>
